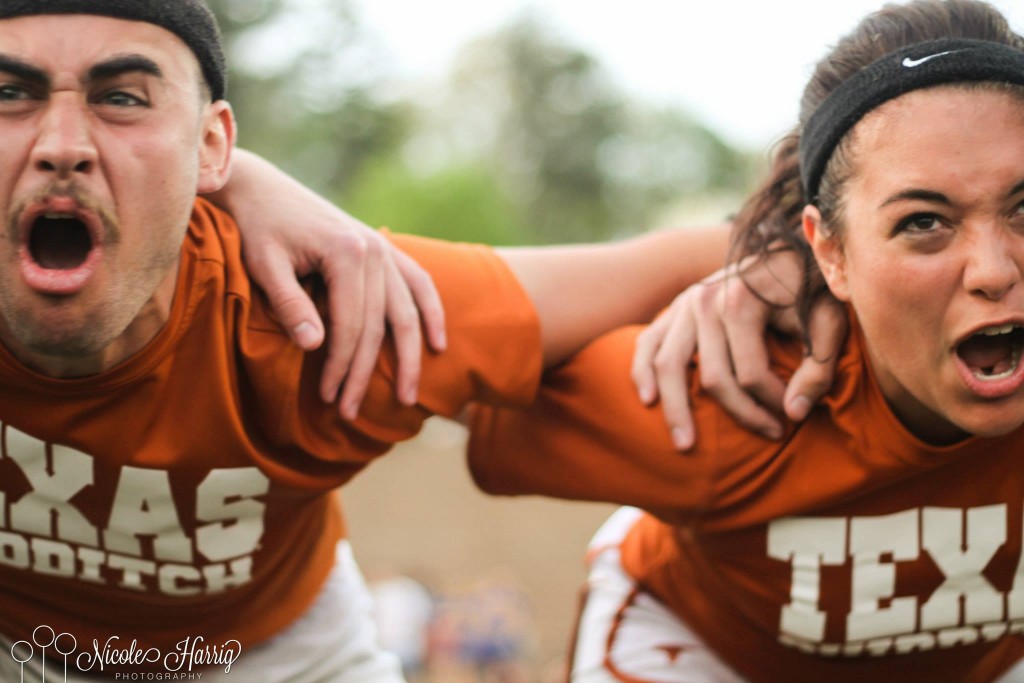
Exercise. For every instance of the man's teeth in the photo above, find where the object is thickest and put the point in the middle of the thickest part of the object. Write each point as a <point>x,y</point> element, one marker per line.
<point>58,216</point>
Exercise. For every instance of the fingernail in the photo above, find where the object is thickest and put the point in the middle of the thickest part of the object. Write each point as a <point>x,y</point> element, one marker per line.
<point>646,395</point>
<point>329,395</point>
<point>350,411</point>
<point>799,407</point>
<point>305,335</point>
<point>774,432</point>
<point>410,395</point>
<point>681,438</point>
<point>442,341</point>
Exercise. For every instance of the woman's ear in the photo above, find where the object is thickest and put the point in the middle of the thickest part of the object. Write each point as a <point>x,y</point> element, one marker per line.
<point>216,146</point>
<point>828,252</point>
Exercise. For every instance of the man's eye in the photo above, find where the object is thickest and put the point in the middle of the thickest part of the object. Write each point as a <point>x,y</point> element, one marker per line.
<point>11,93</point>
<point>119,98</point>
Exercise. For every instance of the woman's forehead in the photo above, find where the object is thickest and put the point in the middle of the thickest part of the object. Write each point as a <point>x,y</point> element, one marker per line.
<point>941,136</point>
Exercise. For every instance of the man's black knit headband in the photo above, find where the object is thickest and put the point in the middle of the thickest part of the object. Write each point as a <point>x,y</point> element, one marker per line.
<point>190,20</point>
<point>922,65</point>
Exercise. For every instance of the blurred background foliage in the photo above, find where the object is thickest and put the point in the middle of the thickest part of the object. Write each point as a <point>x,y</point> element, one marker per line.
<point>527,140</point>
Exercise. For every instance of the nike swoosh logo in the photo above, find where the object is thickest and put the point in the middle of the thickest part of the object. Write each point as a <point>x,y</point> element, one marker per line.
<point>911,63</point>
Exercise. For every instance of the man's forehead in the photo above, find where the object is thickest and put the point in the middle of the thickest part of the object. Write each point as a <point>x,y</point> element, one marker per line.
<point>77,42</point>
<point>190,20</point>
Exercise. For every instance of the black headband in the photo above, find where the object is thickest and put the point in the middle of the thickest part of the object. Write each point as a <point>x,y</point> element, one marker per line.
<point>919,66</point>
<point>190,20</point>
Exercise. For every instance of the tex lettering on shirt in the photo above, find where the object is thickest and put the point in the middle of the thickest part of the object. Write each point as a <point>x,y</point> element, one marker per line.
<point>874,556</point>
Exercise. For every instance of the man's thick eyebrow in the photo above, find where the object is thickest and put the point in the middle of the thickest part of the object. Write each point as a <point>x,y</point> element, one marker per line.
<point>115,66</point>
<point>1016,188</point>
<point>23,70</point>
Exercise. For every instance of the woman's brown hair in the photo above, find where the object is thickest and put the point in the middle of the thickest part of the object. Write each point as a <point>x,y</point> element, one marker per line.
<point>770,219</point>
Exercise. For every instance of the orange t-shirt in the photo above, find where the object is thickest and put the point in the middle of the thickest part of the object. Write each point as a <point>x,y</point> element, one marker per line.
<point>186,492</point>
<point>849,551</point>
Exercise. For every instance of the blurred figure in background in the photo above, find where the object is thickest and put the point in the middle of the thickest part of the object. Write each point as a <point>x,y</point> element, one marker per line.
<point>404,609</point>
<point>500,629</point>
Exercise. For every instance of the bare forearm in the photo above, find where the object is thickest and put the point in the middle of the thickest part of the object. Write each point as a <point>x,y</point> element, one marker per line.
<point>255,182</point>
<point>582,291</point>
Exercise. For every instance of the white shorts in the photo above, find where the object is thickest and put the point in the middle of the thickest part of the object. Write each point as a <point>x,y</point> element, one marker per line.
<point>625,635</point>
<point>334,641</point>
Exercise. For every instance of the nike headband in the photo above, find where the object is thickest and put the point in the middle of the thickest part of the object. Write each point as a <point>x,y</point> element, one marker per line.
<point>923,65</point>
<point>190,20</point>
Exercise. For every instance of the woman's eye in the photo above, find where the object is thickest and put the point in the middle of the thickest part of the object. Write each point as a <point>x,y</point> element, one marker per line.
<point>920,223</point>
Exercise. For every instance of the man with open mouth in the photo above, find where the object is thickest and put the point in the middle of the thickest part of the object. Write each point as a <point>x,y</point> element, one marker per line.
<point>168,460</point>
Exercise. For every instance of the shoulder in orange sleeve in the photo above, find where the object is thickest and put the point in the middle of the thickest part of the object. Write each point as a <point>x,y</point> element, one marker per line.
<point>494,343</point>
<point>588,437</point>
<point>493,356</point>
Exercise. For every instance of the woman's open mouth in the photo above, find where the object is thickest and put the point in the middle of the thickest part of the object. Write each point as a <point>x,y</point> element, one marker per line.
<point>990,360</point>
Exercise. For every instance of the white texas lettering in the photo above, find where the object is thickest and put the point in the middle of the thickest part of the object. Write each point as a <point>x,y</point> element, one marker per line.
<point>144,541</point>
<point>966,608</point>
<point>962,559</point>
<point>14,550</point>
<point>238,524</point>
<point>144,506</point>
<point>54,482</point>
<point>1015,599</point>
<point>874,580</point>
<point>808,543</point>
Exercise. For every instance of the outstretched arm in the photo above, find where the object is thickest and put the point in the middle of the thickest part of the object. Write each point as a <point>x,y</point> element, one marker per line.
<point>288,231</point>
<point>582,291</point>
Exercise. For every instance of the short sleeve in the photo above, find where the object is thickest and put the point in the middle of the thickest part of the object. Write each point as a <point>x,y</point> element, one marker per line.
<point>494,355</point>
<point>588,437</point>
<point>494,350</point>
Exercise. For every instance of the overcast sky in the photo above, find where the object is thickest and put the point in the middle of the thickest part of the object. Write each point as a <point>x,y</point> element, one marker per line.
<point>738,65</point>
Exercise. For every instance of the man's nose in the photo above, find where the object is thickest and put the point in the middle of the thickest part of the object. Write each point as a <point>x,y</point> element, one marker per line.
<point>64,146</point>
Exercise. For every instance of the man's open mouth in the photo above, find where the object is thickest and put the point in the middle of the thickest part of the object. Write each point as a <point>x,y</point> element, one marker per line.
<point>59,241</point>
<point>61,246</point>
<point>992,353</point>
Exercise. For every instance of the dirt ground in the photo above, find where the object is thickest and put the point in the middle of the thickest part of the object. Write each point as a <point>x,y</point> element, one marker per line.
<point>417,509</point>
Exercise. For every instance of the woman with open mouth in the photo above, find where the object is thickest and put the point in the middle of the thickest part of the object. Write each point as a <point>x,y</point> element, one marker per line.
<point>879,539</point>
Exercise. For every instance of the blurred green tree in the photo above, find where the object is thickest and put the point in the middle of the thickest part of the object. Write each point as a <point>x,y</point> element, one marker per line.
<point>535,111</point>
<point>461,203</point>
<point>303,79</point>
<point>578,157</point>
<point>529,140</point>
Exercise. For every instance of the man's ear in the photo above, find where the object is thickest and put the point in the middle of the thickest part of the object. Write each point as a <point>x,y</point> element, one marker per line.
<point>215,147</point>
<point>828,252</point>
